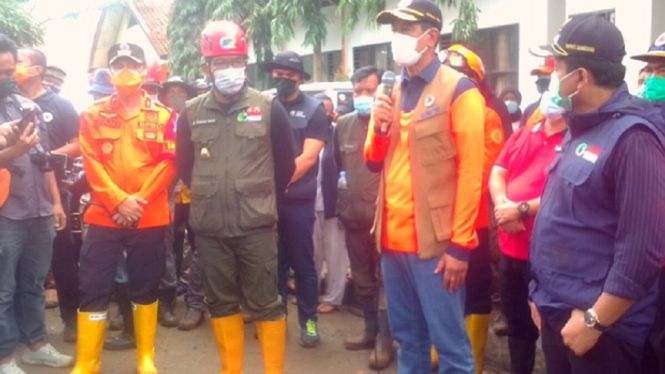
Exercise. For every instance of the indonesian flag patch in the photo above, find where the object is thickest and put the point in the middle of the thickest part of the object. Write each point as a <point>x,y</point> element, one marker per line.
<point>588,152</point>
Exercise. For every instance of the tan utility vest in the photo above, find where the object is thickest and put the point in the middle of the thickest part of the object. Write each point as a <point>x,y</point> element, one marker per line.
<point>233,188</point>
<point>433,164</point>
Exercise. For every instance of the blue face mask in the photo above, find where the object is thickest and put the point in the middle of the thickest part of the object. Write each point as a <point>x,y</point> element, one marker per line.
<point>512,107</point>
<point>363,105</point>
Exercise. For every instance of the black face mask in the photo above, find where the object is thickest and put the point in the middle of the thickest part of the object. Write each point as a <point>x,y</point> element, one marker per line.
<point>285,87</point>
<point>7,87</point>
<point>543,84</point>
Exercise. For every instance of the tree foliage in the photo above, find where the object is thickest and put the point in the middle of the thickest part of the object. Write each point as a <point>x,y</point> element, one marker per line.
<point>271,23</point>
<point>186,22</point>
<point>17,23</point>
<point>463,27</point>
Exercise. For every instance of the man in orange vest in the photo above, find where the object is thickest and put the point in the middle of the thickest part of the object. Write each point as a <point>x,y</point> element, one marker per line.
<point>127,143</point>
<point>427,139</point>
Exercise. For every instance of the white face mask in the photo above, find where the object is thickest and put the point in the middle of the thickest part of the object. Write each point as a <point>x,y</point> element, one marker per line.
<point>552,111</point>
<point>229,81</point>
<point>404,49</point>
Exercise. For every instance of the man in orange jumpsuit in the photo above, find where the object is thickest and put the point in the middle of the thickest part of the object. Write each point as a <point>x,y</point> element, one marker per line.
<point>478,302</point>
<point>127,143</point>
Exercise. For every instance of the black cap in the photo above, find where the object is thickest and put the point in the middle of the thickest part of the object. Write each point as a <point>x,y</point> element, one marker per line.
<point>656,52</point>
<point>589,36</point>
<point>287,60</point>
<point>179,82</point>
<point>129,50</point>
<point>413,11</point>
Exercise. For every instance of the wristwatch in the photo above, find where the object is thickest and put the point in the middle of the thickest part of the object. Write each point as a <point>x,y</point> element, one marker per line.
<point>523,208</point>
<point>592,322</point>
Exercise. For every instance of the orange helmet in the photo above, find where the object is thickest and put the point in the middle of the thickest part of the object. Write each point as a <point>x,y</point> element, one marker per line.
<point>460,57</point>
<point>222,38</point>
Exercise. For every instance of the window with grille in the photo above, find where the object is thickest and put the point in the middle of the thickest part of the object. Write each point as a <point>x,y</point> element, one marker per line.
<point>378,55</point>
<point>498,47</point>
<point>331,63</point>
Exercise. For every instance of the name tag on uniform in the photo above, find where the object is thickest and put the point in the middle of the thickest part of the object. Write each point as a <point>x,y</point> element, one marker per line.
<point>107,119</point>
<point>430,113</point>
<point>199,122</point>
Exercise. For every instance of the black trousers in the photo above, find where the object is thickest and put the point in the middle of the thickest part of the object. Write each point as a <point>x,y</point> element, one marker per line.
<point>609,356</point>
<point>479,277</point>
<point>653,361</point>
<point>180,218</point>
<point>100,256</point>
<point>522,332</point>
<point>65,267</point>
<point>365,263</point>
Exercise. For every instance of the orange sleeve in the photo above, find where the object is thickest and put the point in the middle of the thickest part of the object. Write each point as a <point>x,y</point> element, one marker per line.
<point>467,124</point>
<point>376,146</point>
<point>99,179</point>
<point>162,175</point>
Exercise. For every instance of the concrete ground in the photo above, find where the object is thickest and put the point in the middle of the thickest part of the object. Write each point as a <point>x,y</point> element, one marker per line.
<point>194,352</point>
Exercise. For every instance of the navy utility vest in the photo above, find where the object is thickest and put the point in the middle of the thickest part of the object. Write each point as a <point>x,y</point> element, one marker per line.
<point>300,113</point>
<point>573,240</point>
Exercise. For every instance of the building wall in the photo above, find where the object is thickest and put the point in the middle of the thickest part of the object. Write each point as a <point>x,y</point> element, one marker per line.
<point>538,21</point>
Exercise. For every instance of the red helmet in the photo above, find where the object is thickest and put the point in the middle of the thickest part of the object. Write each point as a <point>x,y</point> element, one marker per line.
<point>222,38</point>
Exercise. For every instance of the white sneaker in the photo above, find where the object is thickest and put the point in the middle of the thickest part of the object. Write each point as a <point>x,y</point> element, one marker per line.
<point>48,356</point>
<point>11,368</point>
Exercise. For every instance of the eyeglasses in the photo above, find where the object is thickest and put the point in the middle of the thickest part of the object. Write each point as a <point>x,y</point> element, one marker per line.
<point>225,64</point>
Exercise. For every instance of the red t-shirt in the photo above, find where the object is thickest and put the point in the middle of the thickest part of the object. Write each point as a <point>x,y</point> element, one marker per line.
<point>526,156</point>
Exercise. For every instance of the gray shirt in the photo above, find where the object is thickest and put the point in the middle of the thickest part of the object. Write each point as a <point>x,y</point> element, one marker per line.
<point>29,195</point>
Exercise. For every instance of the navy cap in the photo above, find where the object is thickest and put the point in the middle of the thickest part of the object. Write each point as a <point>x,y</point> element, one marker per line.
<point>129,50</point>
<point>413,11</point>
<point>101,83</point>
<point>287,60</point>
<point>589,36</point>
<point>656,51</point>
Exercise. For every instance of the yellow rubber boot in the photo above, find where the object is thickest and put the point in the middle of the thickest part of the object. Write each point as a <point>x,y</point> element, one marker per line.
<point>89,342</point>
<point>272,338</point>
<point>477,326</point>
<point>230,338</point>
<point>145,327</point>
<point>435,359</point>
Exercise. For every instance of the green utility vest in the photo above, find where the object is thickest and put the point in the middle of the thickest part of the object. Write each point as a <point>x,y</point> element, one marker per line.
<point>233,188</point>
<point>356,205</point>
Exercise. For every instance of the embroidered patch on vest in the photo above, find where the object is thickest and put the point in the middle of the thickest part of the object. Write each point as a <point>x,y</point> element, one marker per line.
<point>429,101</point>
<point>297,113</point>
<point>203,122</point>
<point>253,114</point>
<point>588,152</point>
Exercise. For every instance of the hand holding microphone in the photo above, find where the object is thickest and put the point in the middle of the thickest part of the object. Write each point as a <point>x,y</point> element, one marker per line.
<point>383,105</point>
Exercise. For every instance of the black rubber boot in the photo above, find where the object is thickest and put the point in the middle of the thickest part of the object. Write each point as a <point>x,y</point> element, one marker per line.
<point>382,355</point>
<point>165,315</point>
<point>126,339</point>
<point>522,355</point>
<point>368,338</point>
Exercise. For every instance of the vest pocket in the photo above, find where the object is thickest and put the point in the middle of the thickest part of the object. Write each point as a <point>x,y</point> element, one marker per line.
<point>107,139</point>
<point>205,214</point>
<point>441,211</point>
<point>434,141</point>
<point>251,129</point>
<point>256,203</point>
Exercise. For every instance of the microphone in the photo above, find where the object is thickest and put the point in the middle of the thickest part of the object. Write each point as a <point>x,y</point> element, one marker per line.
<point>388,82</point>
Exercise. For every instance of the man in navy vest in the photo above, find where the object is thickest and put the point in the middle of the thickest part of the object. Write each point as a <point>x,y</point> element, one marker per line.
<point>311,129</point>
<point>653,89</point>
<point>598,241</point>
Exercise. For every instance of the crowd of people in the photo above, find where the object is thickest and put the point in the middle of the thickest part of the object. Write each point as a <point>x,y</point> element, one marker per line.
<point>410,184</point>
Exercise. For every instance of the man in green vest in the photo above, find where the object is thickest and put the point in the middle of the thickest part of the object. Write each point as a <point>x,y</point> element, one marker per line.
<point>356,206</point>
<point>236,152</point>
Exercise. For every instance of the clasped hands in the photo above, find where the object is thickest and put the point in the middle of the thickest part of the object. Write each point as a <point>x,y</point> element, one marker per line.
<point>130,211</point>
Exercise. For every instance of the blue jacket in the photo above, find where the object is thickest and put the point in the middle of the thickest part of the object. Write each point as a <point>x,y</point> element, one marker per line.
<point>577,248</point>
